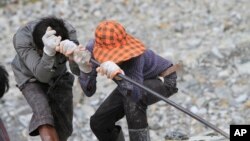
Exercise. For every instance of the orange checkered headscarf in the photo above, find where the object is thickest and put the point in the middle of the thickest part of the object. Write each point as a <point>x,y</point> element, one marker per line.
<point>112,43</point>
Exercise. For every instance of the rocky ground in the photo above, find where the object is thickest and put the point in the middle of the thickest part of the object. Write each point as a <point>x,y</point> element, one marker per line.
<point>209,37</point>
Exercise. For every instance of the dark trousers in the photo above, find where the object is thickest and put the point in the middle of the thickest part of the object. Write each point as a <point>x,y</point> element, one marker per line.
<point>116,106</point>
<point>51,104</point>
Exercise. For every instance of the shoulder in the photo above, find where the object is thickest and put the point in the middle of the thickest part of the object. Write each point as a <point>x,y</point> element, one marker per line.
<point>69,27</point>
<point>24,33</point>
<point>148,52</point>
<point>28,28</point>
<point>90,45</point>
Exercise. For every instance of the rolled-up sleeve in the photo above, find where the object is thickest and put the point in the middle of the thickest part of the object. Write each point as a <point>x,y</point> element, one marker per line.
<point>88,82</point>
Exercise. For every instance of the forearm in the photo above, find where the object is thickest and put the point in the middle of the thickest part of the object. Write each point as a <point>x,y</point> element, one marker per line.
<point>43,70</point>
<point>88,82</point>
<point>40,67</point>
<point>74,68</point>
<point>129,90</point>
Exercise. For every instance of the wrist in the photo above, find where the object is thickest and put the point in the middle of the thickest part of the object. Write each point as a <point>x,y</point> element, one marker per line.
<point>49,51</point>
<point>85,68</point>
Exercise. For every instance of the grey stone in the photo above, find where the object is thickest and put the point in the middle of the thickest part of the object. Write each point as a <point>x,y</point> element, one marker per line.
<point>211,38</point>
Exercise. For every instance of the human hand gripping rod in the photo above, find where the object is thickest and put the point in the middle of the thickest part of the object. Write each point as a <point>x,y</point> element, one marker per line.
<point>186,111</point>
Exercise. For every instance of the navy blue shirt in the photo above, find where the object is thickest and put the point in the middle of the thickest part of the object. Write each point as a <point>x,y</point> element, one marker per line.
<point>145,66</point>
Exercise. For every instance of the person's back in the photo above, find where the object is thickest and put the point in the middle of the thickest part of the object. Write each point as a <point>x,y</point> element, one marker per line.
<point>4,86</point>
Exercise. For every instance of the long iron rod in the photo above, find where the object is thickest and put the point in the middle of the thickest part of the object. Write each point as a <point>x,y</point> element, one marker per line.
<point>170,102</point>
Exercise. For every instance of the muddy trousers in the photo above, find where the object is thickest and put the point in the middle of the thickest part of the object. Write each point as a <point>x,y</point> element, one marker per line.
<point>51,105</point>
<point>116,106</point>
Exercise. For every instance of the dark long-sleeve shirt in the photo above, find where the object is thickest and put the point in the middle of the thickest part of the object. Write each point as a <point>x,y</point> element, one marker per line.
<point>146,66</point>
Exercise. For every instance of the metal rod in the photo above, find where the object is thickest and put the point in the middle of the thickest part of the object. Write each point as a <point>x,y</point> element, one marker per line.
<point>170,102</point>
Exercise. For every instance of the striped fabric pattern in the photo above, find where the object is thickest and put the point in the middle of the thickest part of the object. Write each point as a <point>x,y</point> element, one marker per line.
<point>112,43</point>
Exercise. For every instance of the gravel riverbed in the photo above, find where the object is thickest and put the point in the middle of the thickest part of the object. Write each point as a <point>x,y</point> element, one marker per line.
<point>210,38</point>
